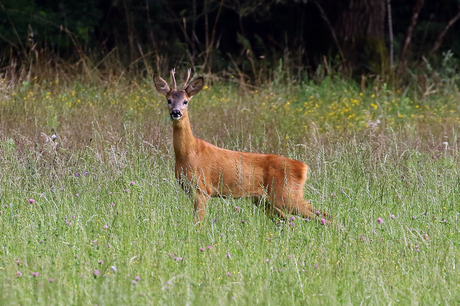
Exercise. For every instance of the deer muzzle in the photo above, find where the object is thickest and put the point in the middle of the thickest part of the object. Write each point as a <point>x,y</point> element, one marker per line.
<point>176,114</point>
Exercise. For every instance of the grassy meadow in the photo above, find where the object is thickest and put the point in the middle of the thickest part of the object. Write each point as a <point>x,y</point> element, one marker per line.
<point>93,215</point>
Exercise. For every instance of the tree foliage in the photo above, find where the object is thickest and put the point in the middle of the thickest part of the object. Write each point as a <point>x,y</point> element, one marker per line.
<point>250,37</point>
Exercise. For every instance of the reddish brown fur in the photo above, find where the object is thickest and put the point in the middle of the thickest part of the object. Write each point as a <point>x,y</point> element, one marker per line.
<point>208,171</point>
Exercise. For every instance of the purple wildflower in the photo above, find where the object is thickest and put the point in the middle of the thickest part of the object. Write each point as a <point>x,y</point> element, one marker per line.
<point>106,226</point>
<point>77,175</point>
<point>201,249</point>
<point>137,278</point>
<point>323,221</point>
<point>237,208</point>
<point>100,262</point>
<point>96,273</point>
<point>243,221</point>
<point>392,217</point>
<point>379,220</point>
<point>132,183</point>
<point>209,247</point>
<point>34,274</point>
<point>50,280</point>
<point>133,282</point>
<point>228,274</point>
<point>114,269</point>
<point>31,201</point>
<point>18,274</point>
<point>229,256</point>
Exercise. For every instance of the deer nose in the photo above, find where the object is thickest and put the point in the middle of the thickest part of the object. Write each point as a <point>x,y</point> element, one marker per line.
<point>176,114</point>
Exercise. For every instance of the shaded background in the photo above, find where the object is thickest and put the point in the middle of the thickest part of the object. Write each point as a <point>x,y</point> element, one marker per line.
<point>251,40</point>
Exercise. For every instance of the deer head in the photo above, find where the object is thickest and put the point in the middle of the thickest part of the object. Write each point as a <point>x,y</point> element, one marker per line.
<point>178,99</point>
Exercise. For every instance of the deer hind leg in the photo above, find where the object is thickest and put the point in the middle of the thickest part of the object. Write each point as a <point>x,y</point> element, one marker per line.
<point>273,211</point>
<point>292,202</point>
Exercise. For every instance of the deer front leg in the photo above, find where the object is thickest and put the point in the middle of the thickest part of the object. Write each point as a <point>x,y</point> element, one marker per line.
<point>199,208</point>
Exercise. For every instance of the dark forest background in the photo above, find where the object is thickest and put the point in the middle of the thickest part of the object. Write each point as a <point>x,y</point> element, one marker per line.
<point>251,40</point>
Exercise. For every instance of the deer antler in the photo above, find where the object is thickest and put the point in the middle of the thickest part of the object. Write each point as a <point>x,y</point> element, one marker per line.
<point>173,71</point>
<point>188,77</point>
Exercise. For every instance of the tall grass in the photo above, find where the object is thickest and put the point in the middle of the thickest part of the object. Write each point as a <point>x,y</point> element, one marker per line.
<point>109,225</point>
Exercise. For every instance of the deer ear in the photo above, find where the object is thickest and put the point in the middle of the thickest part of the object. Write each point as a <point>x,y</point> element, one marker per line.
<point>194,87</point>
<point>161,85</point>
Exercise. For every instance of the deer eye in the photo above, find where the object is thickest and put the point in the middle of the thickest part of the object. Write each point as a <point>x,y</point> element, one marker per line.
<point>169,101</point>
<point>185,102</point>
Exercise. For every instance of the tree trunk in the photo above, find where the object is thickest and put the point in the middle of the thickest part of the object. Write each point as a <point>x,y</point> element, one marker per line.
<point>405,50</point>
<point>360,29</point>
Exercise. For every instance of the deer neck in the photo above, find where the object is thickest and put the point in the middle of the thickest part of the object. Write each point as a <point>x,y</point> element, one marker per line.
<point>184,141</point>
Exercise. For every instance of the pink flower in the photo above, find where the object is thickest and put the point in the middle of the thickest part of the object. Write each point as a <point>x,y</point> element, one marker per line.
<point>201,249</point>
<point>392,217</point>
<point>18,274</point>
<point>133,282</point>
<point>35,274</point>
<point>323,221</point>
<point>132,183</point>
<point>137,278</point>
<point>96,273</point>
<point>209,247</point>
<point>237,208</point>
<point>105,226</point>
<point>379,220</point>
<point>31,201</point>
<point>228,274</point>
<point>50,280</point>
<point>229,256</point>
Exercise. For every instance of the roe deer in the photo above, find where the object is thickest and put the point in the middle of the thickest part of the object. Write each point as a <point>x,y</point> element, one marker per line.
<point>208,171</point>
